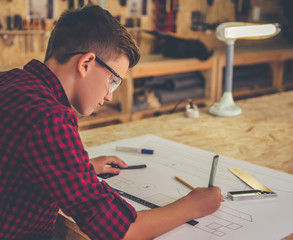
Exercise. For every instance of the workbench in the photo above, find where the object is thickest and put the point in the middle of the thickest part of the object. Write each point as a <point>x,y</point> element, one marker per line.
<point>262,135</point>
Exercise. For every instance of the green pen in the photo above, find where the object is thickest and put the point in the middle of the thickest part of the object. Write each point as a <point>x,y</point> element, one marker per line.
<point>213,171</point>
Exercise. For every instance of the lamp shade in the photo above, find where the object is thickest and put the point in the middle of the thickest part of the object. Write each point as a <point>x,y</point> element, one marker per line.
<point>242,30</point>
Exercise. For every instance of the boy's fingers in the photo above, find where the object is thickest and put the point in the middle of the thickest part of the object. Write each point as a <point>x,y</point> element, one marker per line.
<point>115,161</point>
<point>112,170</point>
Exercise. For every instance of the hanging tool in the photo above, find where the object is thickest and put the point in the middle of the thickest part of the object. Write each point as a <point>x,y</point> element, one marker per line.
<point>9,22</point>
<point>32,26</point>
<point>25,28</point>
<point>44,28</point>
<point>17,22</point>
<point>210,2</point>
<point>50,9</point>
<point>70,4</point>
<point>80,3</point>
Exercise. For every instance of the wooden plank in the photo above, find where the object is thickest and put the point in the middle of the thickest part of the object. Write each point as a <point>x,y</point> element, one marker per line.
<point>278,73</point>
<point>165,109</point>
<point>127,91</point>
<point>169,66</point>
<point>104,115</point>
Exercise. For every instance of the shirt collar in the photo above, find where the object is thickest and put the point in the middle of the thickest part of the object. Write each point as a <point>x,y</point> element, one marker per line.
<point>42,72</point>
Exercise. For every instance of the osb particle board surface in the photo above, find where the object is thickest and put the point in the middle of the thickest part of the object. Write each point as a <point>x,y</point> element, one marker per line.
<point>262,134</point>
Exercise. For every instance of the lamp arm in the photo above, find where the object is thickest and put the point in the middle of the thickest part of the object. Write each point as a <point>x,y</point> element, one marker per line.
<point>229,67</point>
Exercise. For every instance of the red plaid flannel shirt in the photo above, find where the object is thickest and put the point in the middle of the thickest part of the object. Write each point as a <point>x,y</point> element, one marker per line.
<point>43,165</point>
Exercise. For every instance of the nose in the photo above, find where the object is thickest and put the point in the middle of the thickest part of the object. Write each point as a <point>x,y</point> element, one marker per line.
<point>108,97</point>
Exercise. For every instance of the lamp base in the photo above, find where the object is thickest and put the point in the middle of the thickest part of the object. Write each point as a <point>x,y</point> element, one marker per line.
<point>226,107</point>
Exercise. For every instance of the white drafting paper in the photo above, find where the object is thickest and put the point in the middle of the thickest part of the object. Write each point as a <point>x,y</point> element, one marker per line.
<point>252,219</point>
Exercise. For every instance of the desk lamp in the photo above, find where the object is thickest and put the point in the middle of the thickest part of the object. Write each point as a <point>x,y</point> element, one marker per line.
<point>229,32</point>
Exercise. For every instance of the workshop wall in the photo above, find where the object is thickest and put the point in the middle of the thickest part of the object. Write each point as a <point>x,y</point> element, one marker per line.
<point>194,19</point>
<point>18,47</point>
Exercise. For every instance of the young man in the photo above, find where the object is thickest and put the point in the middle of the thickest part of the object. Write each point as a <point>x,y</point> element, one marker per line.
<point>44,166</point>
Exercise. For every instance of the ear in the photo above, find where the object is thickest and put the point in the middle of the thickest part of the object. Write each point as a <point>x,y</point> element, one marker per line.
<point>84,63</point>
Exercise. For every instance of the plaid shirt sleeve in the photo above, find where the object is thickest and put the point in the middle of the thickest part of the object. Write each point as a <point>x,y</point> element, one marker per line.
<point>56,160</point>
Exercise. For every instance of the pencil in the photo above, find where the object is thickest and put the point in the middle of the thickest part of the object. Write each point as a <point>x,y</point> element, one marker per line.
<point>184,183</point>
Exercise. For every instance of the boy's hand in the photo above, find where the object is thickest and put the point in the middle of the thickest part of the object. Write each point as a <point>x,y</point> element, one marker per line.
<point>198,203</point>
<point>206,200</point>
<point>106,164</point>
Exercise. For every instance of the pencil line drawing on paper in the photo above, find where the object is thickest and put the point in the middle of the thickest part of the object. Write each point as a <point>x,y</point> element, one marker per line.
<point>236,213</point>
<point>156,184</point>
<point>218,226</point>
<point>220,223</point>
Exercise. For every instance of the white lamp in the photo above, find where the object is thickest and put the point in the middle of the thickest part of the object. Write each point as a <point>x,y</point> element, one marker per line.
<point>229,32</point>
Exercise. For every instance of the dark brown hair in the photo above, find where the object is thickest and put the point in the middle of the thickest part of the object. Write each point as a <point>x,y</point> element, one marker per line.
<point>91,29</point>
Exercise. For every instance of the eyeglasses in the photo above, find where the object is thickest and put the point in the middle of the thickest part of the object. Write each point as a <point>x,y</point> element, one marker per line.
<point>114,79</point>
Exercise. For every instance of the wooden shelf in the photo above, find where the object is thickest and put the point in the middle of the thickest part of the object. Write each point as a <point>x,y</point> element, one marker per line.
<point>246,92</point>
<point>166,108</point>
<point>154,65</point>
<point>287,55</point>
<point>274,56</point>
<point>102,117</point>
<point>288,86</point>
<point>157,65</point>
